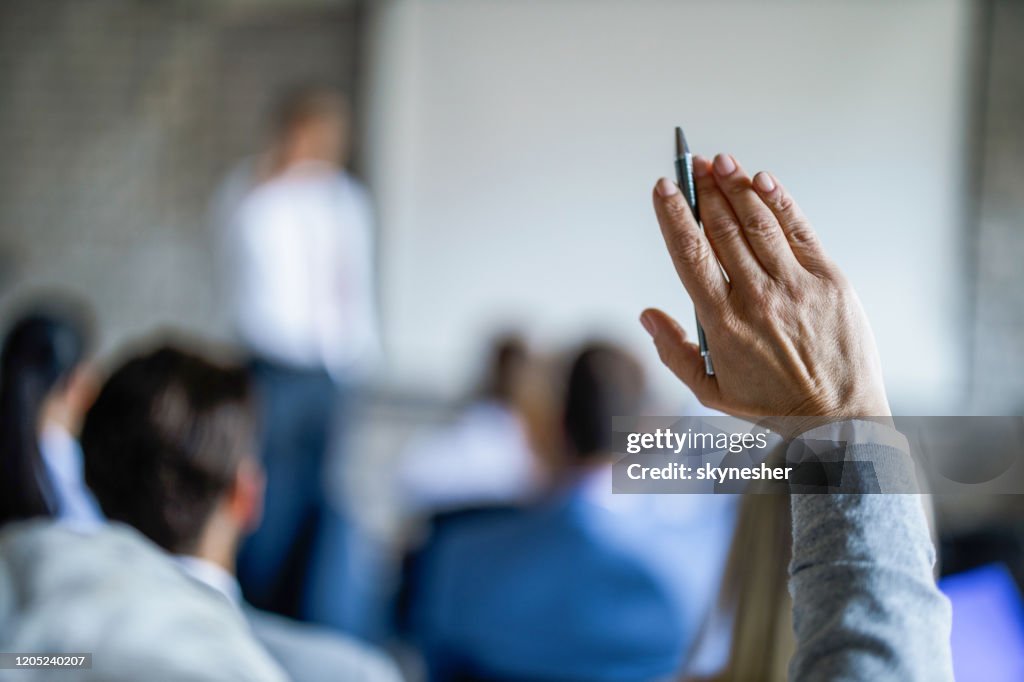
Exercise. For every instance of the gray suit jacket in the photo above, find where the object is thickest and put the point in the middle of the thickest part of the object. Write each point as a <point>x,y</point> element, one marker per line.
<point>112,593</point>
<point>308,653</point>
<point>314,654</point>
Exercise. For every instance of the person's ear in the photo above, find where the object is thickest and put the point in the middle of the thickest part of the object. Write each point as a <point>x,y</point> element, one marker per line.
<point>245,502</point>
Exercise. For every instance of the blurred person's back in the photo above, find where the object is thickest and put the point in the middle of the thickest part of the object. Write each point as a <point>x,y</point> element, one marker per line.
<point>111,593</point>
<point>570,588</point>
<point>169,449</point>
<point>72,587</point>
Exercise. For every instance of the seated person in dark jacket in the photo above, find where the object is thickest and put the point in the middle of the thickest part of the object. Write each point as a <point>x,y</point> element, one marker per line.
<point>576,587</point>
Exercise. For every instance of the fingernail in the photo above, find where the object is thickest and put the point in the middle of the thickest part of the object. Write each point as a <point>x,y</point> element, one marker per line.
<point>764,182</point>
<point>647,320</point>
<point>666,188</point>
<point>700,166</point>
<point>724,164</point>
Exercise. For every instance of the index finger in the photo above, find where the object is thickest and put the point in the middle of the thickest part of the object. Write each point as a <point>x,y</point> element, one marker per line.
<point>691,253</point>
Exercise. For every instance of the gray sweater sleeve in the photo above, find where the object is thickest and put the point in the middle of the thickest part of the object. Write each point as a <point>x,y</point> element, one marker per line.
<point>865,603</point>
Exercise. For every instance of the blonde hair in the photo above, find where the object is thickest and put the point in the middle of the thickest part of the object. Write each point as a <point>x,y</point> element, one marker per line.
<point>754,594</point>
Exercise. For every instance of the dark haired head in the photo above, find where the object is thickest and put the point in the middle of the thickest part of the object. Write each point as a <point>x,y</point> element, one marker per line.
<point>41,351</point>
<point>604,382</point>
<point>164,440</point>
<point>508,358</point>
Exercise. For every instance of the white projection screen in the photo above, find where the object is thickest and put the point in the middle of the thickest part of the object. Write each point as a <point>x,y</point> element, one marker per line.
<point>513,147</point>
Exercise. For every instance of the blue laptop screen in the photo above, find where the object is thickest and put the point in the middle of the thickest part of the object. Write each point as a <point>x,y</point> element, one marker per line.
<point>988,625</point>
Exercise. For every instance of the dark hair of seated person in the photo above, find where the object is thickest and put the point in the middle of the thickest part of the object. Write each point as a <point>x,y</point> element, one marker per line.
<point>507,359</point>
<point>40,353</point>
<point>164,440</point>
<point>604,382</point>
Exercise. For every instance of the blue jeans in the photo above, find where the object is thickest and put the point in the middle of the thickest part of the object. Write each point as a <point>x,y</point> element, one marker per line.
<point>307,559</point>
<point>297,409</point>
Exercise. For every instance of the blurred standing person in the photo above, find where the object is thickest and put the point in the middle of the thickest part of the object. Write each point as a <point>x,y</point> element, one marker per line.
<point>296,237</point>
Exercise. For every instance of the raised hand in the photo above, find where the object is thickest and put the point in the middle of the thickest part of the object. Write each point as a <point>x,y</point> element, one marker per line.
<point>787,333</point>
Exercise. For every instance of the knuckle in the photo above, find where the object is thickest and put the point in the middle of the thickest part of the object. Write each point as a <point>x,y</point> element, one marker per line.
<point>687,245</point>
<point>801,234</point>
<point>840,288</point>
<point>765,298</point>
<point>832,299</point>
<point>706,190</point>
<point>676,209</point>
<point>720,323</point>
<point>763,306</point>
<point>784,203</point>
<point>761,227</point>
<point>736,183</point>
<point>798,293</point>
<point>719,224</point>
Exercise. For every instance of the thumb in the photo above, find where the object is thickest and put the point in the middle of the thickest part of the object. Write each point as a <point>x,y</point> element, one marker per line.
<point>680,356</point>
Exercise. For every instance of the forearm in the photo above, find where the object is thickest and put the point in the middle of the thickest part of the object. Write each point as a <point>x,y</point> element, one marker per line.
<point>865,604</point>
<point>789,337</point>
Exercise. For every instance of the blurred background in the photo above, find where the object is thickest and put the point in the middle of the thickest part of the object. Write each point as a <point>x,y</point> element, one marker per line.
<point>509,150</point>
<point>499,135</point>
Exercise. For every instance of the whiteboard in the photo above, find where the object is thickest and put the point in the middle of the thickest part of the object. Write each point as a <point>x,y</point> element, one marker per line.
<point>513,147</point>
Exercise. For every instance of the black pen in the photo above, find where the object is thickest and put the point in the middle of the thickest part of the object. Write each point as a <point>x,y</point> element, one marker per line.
<point>684,176</point>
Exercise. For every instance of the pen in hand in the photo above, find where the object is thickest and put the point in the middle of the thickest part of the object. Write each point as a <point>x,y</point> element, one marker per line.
<point>684,176</point>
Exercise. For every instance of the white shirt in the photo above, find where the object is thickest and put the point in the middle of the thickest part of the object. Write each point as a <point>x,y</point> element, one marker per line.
<point>298,252</point>
<point>62,458</point>
<point>211,575</point>
<point>484,457</point>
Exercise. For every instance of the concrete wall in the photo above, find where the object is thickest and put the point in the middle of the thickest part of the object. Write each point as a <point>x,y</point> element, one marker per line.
<point>118,119</point>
